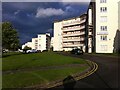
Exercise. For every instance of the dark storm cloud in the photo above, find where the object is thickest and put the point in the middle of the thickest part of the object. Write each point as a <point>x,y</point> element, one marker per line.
<point>32,18</point>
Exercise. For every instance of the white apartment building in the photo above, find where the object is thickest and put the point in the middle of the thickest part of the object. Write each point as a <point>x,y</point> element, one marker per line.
<point>42,42</point>
<point>28,44</point>
<point>102,26</point>
<point>35,43</point>
<point>69,34</point>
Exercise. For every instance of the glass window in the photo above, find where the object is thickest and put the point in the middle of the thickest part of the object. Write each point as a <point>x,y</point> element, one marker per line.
<point>104,47</point>
<point>103,9</point>
<point>103,18</point>
<point>103,38</point>
<point>103,1</point>
<point>103,28</point>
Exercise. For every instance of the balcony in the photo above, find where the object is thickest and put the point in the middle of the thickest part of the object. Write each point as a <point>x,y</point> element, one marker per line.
<point>72,45</point>
<point>90,33</point>
<point>73,23</point>
<point>74,39</point>
<point>73,34</point>
<point>82,39</point>
<point>68,40</point>
<point>73,28</point>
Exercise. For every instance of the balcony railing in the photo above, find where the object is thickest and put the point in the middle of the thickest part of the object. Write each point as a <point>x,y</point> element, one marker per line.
<point>73,22</point>
<point>90,33</point>
<point>67,40</point>
<point>73,39</point>
<point>72,45</point>
<point>73,28</point>
<point>73,34</point>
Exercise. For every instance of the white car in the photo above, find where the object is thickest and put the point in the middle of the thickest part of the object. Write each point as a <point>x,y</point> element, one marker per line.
<point>31,51</point>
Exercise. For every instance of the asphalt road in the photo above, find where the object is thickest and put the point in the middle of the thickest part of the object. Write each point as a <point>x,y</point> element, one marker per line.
<point>106,76</point>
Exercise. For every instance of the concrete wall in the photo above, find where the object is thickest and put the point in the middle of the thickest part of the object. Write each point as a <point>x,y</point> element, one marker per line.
<point>119,15</point>
<point>57,43</point>
<point>111,23</point>
<point>34,46</point>
<point>42,42</point>
<point>28,44</point>
<point>117,36</point>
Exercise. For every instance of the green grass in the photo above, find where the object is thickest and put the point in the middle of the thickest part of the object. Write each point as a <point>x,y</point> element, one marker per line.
<point>37,60</point>
<point>24,79</point>
<point>37,76</point>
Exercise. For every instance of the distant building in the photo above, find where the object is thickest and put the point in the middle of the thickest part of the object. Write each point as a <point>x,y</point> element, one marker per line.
<point>35,43</point>
<point>69,34</point>
<point>28,44</point>
<point>42,42</point>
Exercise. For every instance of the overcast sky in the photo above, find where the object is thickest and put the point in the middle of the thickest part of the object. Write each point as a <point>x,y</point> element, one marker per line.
<point>32,18</point>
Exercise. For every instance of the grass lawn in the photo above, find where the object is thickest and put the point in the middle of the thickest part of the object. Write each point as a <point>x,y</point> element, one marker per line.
<point>37,76</point>
<point>19,61</point>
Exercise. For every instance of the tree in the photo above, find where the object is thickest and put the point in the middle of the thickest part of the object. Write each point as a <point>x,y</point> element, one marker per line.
<point>10,38</point>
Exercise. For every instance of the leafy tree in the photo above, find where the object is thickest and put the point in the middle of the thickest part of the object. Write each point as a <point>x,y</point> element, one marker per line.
<point>10,38</point>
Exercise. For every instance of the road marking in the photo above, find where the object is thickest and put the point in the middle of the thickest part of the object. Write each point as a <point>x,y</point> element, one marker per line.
<point>94,69</point>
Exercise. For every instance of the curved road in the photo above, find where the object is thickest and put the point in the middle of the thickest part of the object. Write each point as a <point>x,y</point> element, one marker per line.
<point>105,77</point>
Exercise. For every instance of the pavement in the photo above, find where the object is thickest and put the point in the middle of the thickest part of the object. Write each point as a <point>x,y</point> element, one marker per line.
<point>107,75</point>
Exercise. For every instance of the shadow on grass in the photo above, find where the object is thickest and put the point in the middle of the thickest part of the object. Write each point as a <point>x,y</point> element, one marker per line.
<point>10,54</point>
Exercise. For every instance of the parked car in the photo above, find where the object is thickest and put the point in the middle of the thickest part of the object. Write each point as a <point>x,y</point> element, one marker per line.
<point>77,51</point>
<point>31,51</point>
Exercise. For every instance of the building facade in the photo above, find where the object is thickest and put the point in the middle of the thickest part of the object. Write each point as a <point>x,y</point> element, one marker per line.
<point>69,34</point>
<point>35,43</point>
<point>102,21</point>
<point>57,42</point>
<point>42,42</point>
<point>28,44</point>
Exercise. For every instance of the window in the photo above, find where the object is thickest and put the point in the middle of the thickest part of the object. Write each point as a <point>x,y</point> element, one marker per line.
<point>103,1</point>
<point>103,38</point>
<point>103,28</point>
<point>103,18</point>
<point>103,9</point>
<point>104,47</point>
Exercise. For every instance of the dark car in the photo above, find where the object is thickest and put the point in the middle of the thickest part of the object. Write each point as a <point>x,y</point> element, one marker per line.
<point>77,51</point>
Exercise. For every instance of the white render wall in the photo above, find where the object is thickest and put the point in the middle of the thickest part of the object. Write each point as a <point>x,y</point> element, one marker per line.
<point>57,43</point>
<point>111,23</point>
<point>90,38</point>
<point>119,14</point>
<point>90,17</point>
<point>51,43</point>
<point>66,36</point>
<point>42,42</point>
<point>35,44</point>
<point>28,44</point>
